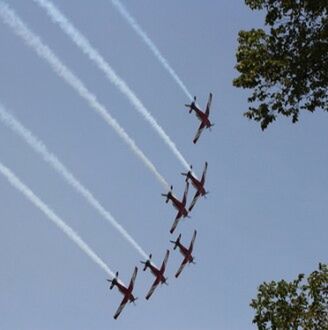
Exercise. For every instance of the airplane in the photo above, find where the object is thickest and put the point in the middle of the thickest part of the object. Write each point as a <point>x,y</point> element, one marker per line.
<point>126,291</point>
<point>187,253</point>
<point>179,205</point>
<point>158,273</point>
<point>201,115</point>
<point>198,185</point>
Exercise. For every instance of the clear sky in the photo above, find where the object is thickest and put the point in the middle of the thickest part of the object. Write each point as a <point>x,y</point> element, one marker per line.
<point>264,219</point>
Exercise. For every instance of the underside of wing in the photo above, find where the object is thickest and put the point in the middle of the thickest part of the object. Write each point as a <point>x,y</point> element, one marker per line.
<point>204,174</point>
<point>133,278</point>
<point>185,194</point>
<point>120,308</point>
<point>192,241</point>
<point>183,264</point>
<point>199,132</point>
<point>152,289</point>
<point>165,261</point>
<point>208,106</point>
<point>176,221</point>
<point>194,200</point>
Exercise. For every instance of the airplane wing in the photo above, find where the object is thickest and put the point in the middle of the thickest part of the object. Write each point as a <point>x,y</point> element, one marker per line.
<point>204,174</point>
<point>153,287</point>
<point>183,264</point>
<point>176,221</point>
<point>194,201</point>
<point>185,194</point>
<point>120,308</point>
<point>208,106</point>
<point>199,132</point>
<point>133,278</point>
<point>192,241</point>
<point>165,261</point>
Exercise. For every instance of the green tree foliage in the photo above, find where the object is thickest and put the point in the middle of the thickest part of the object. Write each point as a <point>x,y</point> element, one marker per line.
<point>293,305</point>
<point>286,65</point>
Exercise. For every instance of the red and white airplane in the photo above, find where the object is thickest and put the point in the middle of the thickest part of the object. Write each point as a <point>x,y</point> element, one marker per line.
<point>179,205</point>
<point>198,185</point>
<point>158,273</point>
<point>201,115</point>
<point>187,253</point>
<point>126,291</point>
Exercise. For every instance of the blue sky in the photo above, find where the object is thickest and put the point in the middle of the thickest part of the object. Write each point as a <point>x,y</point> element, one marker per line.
<point>265,216</point>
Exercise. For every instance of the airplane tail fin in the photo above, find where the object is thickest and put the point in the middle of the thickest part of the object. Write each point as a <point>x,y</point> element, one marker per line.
<point>146,263</point>
<point>134,300</point>
<point>113,281</point>
<point>191,106</point>
<point>177,242</point>
<point>167,195</point>
<point>187,175</point>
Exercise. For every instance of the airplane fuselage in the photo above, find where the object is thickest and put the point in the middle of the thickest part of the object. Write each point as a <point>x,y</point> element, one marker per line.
<point>157,273</point>
<point>197,184</point>
<point>179,205</point>
<point>185,252</point>
<point>125,291</point>
<point>203,117</point>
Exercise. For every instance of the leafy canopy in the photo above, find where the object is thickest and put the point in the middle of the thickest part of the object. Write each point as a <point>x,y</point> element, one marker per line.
<point>293,305</point>
<point>285,65</point>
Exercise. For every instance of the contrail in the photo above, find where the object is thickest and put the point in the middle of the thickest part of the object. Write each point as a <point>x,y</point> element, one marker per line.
<point>15,182</point>
<point>39,147</point>
<point>83,43</point>
<point>32,40</point>
<point>142,34</point>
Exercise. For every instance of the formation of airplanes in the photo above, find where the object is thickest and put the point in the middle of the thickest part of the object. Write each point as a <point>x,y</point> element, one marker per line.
<point>183,212</point>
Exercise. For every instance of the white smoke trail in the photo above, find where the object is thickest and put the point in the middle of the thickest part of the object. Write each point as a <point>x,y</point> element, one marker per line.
<point>32,40</point>
<point>39,147</point>
<point>142,34</point>
<point>83,43</point>
<point>15,182</point>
